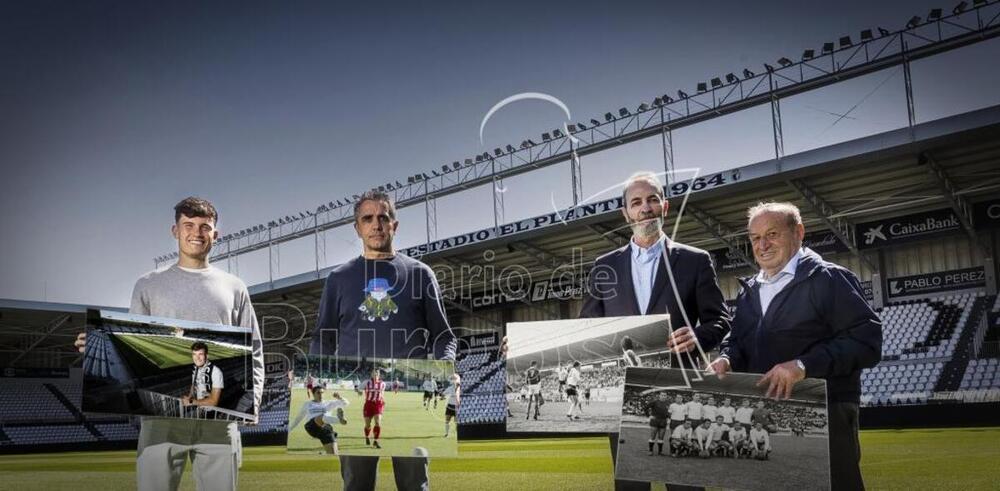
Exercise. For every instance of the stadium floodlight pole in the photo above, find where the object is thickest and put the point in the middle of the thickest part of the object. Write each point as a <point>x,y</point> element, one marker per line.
<point>575,172</point>
<point>908,85</point>
<point>779,143</point>
<point>497,191</point>
<point>667,141</point>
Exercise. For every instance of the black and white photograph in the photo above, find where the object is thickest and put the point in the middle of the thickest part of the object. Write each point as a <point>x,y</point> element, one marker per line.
<point>568,375</point>
<point>682,427</point>
<point>152,366</point>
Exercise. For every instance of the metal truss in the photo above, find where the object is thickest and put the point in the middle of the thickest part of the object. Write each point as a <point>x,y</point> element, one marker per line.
<point>721,232</point>
<point>834,63</point>
<point>52,327</point>
<point>842,228</point>
<point>950,192</point>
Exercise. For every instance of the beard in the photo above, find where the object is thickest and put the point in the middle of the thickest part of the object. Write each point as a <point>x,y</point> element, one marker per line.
<point>647,227</point>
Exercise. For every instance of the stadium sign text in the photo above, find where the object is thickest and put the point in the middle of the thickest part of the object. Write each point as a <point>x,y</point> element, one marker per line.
<point>562,217</point>
<point>907,228</point>
<point>922,284</point>
<point>987,215</point>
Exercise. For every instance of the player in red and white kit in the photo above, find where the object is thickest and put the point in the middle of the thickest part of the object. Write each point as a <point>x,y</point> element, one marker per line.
<point>310,383</point>
<point>374,404</point>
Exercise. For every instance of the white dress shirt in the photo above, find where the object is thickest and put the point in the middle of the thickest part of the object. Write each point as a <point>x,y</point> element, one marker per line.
<point>645,263</point>
<point>770,287</point>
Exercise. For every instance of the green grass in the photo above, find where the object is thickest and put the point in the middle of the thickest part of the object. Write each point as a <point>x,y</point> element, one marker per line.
<point>405,425</point>
<point>910,459</point>
<point>167,352</point>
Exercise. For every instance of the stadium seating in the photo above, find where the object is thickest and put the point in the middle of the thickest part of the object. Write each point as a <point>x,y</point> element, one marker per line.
<point>118,431</point>
<point>25,400</point>
<point>35,435</point>
<point>483,388</point>
<point>981,374</point>
<point>920,337</point>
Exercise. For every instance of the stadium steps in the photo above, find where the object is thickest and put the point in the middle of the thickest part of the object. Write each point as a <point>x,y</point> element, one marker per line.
<point>943,329</point>
<point>471,389</point>
<point>954,370</point>
<point>80,418</point>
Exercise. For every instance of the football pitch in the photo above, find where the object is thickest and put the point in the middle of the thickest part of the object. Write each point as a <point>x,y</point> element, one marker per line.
<point>595,417</point>
<point>405,425</point>
<point>904,460</point>
<point>167,352</point>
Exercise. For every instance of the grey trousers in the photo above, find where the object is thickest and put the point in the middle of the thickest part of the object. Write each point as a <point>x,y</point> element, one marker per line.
<point>361,472</point>
<point>166,444</point>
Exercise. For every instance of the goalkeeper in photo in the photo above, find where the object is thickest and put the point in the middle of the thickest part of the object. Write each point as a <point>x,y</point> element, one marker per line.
<point>320,423</point>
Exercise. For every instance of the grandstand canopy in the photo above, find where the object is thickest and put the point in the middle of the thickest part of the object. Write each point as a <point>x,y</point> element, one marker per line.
<point>869,178</point>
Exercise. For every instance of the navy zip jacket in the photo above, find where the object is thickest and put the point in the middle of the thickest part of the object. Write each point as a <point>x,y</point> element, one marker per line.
<point>821,317</point>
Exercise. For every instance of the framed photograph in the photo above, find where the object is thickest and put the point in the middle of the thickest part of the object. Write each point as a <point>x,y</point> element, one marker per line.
<point>687,428</point>
<point>152,366</point>
<point>568,375</point>
<point>374,406</point>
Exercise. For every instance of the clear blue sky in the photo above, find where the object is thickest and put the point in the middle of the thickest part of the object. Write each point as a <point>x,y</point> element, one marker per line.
<point>111,112</point>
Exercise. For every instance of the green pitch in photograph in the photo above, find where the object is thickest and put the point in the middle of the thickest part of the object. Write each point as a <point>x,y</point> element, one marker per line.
<point>406,424</point>
<point>167,352</point>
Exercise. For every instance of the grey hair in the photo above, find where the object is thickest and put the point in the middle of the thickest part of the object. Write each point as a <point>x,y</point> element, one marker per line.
<point>375,196</point>
<point>646,176</point>
<point>791,212</point>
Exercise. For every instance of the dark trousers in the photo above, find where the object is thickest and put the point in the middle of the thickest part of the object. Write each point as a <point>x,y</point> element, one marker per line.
<point>360,473</point>
<point>624,485</point>
<point>845,449</point>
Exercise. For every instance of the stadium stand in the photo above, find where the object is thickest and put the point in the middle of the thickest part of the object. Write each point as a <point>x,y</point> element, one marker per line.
<point>483,386</point>
<point>925,342</point>
<point>42,434</point>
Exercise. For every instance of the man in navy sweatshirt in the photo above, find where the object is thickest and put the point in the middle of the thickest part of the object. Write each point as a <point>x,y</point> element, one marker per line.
<point>382,305</point>
<point>799,317</point>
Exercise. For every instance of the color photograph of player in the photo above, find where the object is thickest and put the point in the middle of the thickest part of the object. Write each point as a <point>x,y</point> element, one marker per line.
<point>430,389</point>
<point>377,421</point>
<point>453,394</point>
<point>320,421</point>
<point>374,406</point>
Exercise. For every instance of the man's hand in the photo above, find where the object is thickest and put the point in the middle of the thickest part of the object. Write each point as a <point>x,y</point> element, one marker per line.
<point>81,341</point>
<point>682,340</point>
<point>186,400</point>
<point>781,379</point>
<point>720,367</point>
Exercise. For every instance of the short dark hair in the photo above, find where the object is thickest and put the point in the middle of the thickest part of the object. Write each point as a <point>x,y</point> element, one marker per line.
<point>193,206</point>
<point>375,196</point>
<point>199,346</point>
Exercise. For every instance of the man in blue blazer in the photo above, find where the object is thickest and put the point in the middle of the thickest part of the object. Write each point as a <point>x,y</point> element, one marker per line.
<point>799,317</point>
<point>655,275</point>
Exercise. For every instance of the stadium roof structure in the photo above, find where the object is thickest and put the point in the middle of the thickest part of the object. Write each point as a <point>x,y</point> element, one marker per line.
<point>30,331</point>
<point>945,163</point>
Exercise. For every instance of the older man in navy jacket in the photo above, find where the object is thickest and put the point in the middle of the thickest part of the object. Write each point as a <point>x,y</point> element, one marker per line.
<point>803,317</point>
